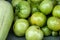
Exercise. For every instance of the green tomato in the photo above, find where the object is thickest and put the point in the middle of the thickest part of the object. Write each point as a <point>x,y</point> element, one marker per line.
<point>33,33</point>
<point>15,2</point>
<point>53,2</point>
<point>34,1</point>
<point>54,33</point>
<point>20,27</point>
<point>56,11</point>
<point>29,1</point>
<point>46,7</point>
<point>23,9</point>
<point>46,31</point>
<point>53,23</point>
<point>34,8</point>
<point>38,18</point>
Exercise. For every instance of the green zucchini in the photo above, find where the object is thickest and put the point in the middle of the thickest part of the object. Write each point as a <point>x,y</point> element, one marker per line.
<point>6,19</point>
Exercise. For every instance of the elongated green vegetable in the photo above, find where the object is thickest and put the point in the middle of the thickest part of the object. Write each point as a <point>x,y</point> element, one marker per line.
<point>6,19</point>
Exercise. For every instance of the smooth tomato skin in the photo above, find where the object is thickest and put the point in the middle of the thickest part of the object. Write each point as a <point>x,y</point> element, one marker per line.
<point>53,23</point>
<point>38,18</point>
<point>46,31</point>
<point>46,7</point>
<point>34,8</point>
<point>20,27</point>
<point>53,2</point>
<point>33,33</point>
<point>15,2</point>
<point>22,9</point>
<point>34,1</point>
<point>56,11</point>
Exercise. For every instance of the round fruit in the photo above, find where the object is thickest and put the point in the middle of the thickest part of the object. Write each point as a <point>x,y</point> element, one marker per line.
<point>34,8</point>
<point>23,9</point>
<point>20,27</point>
<point>38,18</point>
<point>53,23</point>
<point>46,31</point>
<point>33,33</point>
<point>54,33</point>
<point>56,11</point>
<point>46,7</point>
<point>15,2</point>
<point>36,1</point>
<point>53,2</point>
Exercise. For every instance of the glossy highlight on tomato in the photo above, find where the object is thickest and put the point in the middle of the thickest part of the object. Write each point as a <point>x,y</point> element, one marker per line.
<point>20,27</point>
<point>53,23</point>
<point>38,18</point>
<point>34,33</point>
<point>46,7</point>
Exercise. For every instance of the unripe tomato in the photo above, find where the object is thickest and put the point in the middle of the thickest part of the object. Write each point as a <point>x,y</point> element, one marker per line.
<point>38,18</point>
<point>20,27</point>
<point>34,33</point>
<point>53,23</point>
<point>56,11</point>
<point>46,7</point>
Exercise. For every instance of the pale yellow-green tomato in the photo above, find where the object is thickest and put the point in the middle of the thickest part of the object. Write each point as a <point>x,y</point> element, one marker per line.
<point>38,18</point>
<point>53,23</point>
<point>15,2</point>
<point>34,33</point>
<point>20,27</point>
<point>46,7</point>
